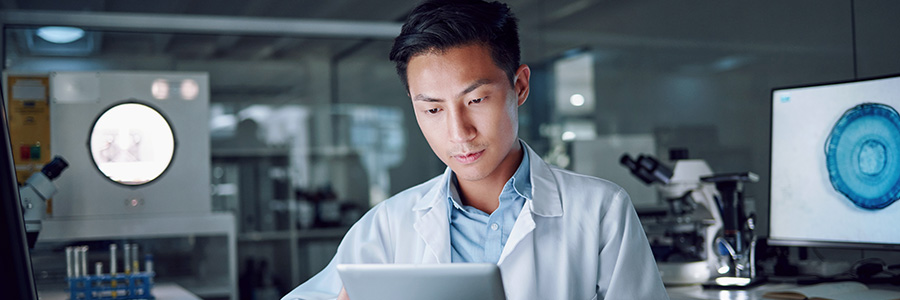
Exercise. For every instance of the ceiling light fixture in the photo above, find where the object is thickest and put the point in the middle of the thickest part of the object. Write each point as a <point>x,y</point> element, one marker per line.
<point>60,34</point>
<point>576,100</point>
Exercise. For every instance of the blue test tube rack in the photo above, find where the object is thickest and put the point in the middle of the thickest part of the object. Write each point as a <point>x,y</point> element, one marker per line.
<point>132,286</point>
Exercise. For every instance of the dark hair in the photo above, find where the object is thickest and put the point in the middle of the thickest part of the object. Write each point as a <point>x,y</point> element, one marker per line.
<point>438,25</point>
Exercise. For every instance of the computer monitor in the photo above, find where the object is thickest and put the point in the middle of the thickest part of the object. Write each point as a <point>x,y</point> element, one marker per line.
<point>835,165</point>
<point>16,279</point>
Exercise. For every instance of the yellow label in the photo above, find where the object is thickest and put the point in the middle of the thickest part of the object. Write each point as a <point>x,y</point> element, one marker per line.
<point>29,123</point>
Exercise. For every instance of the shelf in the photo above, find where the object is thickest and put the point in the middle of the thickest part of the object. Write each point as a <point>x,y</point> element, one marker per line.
<point>249,152</point>
<point>60,229</point>
<point>322,233</point>
<point>261,236</point>
<point>304,234</point>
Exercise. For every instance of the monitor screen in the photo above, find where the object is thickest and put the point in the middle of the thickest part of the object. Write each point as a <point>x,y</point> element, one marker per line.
<point>835,165</point>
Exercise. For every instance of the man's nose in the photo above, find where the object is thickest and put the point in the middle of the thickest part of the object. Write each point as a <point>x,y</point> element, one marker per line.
<point>460,127</point>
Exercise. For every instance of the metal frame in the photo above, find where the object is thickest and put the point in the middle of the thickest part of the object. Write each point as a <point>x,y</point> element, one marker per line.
<point>203,24</point>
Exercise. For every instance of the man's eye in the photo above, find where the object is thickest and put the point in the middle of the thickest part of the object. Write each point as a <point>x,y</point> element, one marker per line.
<point>477,100</point>
<point>433,111</point>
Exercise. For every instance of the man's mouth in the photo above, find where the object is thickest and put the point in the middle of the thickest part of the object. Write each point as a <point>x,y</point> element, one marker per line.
<point>467,158</point>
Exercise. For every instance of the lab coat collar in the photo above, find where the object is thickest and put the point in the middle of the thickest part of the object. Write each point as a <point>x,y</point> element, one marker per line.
<point>433,223</point>
<point>544,189</point>
<point>436,194</point>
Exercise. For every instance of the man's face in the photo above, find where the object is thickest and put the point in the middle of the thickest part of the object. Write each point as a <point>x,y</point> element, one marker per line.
<point>467,109</point>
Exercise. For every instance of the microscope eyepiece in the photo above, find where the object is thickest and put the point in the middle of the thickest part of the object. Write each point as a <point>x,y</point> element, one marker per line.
<point>629,163</point>
<point>55,167</point>
<point>647,169</point>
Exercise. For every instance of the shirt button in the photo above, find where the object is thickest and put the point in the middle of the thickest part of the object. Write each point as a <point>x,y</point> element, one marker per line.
<point>495,226</point>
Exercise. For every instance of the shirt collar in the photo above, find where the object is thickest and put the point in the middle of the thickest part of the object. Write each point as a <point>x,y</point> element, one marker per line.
<point>520,181</point>
<point>545,191</point>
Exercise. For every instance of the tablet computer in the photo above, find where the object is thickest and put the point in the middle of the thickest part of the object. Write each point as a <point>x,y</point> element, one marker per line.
<point>422,281</point>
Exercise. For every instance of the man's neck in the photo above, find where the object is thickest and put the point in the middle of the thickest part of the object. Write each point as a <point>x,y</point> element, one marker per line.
<point>484,194</point>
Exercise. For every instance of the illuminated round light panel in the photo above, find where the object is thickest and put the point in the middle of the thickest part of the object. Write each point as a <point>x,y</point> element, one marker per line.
<point>863,155</point>
<point>132,143</point>
<point>60,34</point>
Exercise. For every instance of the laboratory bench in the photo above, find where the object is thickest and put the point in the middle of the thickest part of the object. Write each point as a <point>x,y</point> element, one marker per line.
<point>694,292</point>
<point>697,292</point>
<point>162,291</point>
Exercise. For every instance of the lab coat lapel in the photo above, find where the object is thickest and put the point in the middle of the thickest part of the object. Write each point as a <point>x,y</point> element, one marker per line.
<point>545,203</point>
<point>518,261</point>
<point>544,188</point>
<point>520,234</point>
<point>433,223</point>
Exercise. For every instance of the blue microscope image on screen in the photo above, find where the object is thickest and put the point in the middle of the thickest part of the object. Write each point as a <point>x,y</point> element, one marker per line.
<point>862,154</point>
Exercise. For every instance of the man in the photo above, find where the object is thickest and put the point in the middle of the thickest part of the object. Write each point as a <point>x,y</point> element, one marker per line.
<point>554,234</point>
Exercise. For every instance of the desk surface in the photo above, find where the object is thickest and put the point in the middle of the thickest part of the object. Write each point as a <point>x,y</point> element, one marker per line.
<point>696,292</point>
<point>162,291</point>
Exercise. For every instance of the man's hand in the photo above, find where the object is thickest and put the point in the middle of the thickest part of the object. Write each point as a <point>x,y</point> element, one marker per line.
<point>343,295</point>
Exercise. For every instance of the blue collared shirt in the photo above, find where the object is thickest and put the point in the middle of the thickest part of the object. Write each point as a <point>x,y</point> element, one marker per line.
<point>478,237</point>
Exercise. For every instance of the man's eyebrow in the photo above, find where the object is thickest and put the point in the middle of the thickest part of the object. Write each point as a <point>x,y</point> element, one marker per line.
<point>424,98</point>
<point>475,85</point>
<point>469,89</point>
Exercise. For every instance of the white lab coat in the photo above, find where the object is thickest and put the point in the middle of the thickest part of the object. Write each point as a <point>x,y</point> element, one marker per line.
<point>579,238</point>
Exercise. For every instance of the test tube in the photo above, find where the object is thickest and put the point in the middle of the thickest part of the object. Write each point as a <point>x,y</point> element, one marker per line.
<point>127,261</point>
<point>76,260</point>
<point>148,262</point>
<point>98,268</point>
<point>113,248</point>
<point>84,271</point>
<point>112,259</point>
<point>135,259</point>
<point>69,262</point>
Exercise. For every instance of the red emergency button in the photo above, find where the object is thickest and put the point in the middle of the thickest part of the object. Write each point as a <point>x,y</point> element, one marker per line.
<point>25,152</point>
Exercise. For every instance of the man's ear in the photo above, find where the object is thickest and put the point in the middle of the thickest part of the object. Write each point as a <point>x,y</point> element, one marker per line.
<point>523,77</point>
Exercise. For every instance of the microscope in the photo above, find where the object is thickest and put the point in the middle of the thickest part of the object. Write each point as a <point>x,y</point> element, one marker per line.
<point>737,242</point>
<point>34,194</point>
<point>703,233</point>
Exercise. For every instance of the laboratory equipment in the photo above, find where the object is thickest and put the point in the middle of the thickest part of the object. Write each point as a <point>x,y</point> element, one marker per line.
<point>127,286</point>
<point>737,238</point>
<point>586,161</point>
<point>127,264</point>
<point>137,143</point>
<point>112,259</point>
<point>34,194</point>
<point>835,180</point>
<point>685,240</point>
